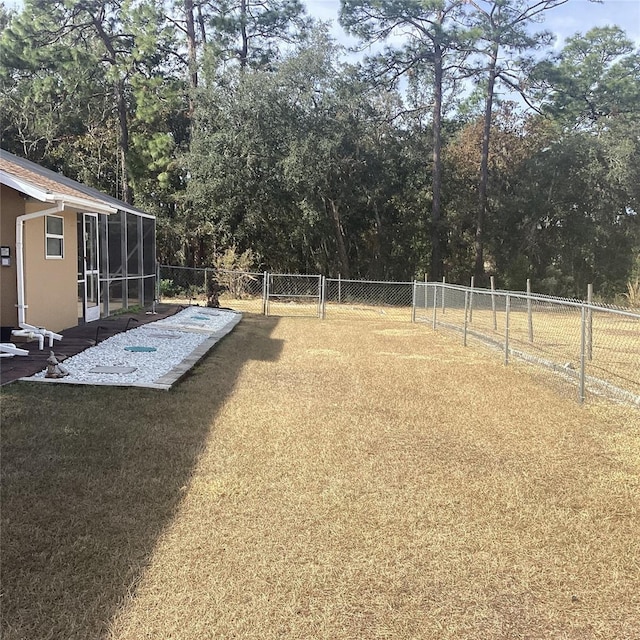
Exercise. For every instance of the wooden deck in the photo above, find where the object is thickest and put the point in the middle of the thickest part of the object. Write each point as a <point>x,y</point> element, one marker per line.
<point>75,340</point>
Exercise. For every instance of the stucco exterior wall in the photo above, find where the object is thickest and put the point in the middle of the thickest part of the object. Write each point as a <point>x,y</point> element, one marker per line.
<point>51,288</point>
<point>11,206</point>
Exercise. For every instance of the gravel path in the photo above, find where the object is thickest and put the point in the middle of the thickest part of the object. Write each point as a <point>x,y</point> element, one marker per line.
<point>158,348</point>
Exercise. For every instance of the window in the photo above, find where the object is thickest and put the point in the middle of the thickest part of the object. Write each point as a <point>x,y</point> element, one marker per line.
<point>54,236</point>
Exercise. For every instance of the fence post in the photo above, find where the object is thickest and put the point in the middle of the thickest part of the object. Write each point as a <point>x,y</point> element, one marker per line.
<point>435,303</point>
<point>466,307</point>
<point>444,280</point>
<point>529,313</point>
<point>506,329</point>
<point>583,335</point>
<point>426,291</point>
<point>321,298</point>
<point>413,301</point>
<point>473,280</point>
<point>493,303</point>
<point>265,293</point>
<point>339,289</point>
<point>590,323</point>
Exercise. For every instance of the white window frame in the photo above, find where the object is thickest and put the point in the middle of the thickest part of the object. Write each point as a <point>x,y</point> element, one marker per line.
<point>53,236</point>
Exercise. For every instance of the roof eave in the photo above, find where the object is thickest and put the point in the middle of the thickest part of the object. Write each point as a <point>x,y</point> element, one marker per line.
<point>25,187</point>
<point>87,206</point>
<point>29,189</point>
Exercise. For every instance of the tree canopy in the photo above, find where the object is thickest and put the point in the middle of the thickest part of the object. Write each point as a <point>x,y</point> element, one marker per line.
<point>466,144</point>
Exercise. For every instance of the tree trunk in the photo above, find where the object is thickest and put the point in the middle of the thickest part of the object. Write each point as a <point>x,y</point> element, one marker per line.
<point>192,50</point>
<point>380,253</point>
<point>202,26</point>
<point>436,206</point>
<point>121,101</point>
<point>127,194</point>
<point>484,169</point>
<point>339,234</point>
<point>244,48</point>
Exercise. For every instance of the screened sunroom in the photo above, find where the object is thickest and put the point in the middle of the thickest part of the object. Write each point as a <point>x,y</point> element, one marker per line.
<point>116,262</point>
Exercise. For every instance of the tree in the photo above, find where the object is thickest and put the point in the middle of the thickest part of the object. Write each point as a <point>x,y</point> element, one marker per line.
<point>305,166</point>
<point>54,99</point>
<point>63,54</point>
<point>591,89</point>
<point>503,28</point>
<point>433,37</point>
<point>594,79</point>
<point>252,32</point>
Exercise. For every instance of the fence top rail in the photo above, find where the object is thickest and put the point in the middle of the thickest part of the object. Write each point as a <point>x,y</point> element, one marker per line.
<point>389,282</point>
<point>173,266</point>
<point>619,312</point>
<point>535,297</point>
<point>295,275</point>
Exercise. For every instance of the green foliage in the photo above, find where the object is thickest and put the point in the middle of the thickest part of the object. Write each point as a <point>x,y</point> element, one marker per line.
<point>86,86</point>
<point>253,31</point>
<point>232,260</point>
<point>285,157</point>
<point>302,166</point>
<point>594,77</point>
<point>632,295</point>
<point>168,288</point>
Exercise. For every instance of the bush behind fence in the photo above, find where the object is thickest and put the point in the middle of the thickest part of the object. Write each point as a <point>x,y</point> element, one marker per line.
<point>187,285</point>
<point>595,348</point>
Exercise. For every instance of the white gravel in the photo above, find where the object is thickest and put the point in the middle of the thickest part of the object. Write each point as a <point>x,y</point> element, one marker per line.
<point>174,339</point>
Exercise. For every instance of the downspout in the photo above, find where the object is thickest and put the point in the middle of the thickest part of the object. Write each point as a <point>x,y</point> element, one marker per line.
<point>20,220</point>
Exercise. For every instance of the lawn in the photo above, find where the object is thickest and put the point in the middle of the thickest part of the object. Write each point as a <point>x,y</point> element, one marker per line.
<point>336,479</point>
<point>555,337</point>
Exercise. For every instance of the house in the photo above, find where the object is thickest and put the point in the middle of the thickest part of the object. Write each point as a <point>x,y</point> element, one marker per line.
<point>69,253</point>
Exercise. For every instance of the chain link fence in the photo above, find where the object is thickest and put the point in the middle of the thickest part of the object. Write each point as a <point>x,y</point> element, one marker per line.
<point>367,299</point>
<point>595,348</point>
<point>240,290</point>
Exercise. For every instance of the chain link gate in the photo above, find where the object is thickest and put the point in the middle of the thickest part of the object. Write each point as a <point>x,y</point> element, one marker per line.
<point>287,294</point>
<point>367,299</point>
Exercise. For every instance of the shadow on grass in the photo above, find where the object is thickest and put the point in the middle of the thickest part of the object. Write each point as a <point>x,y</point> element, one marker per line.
<point>91,476</point>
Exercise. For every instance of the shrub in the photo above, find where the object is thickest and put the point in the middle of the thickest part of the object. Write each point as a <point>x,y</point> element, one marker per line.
<point>633,293</point>
<point>167,289</point>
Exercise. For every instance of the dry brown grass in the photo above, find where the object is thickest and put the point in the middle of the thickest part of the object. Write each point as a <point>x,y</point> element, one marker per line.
<point>556,338</point>
<point>328,480</point>
<point>615,339</point>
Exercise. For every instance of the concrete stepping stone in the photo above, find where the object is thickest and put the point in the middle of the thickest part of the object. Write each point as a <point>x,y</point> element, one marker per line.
<point>113,369</point>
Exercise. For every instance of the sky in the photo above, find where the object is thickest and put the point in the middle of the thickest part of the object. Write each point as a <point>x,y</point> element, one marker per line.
<point>577,16</point>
